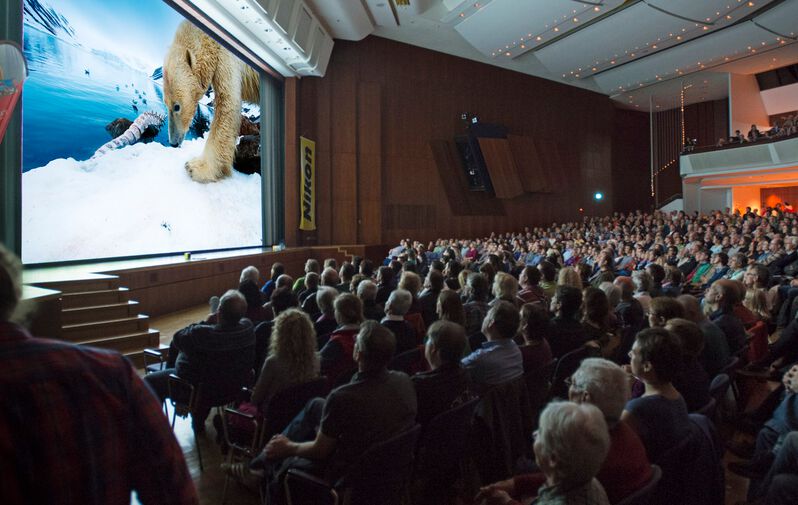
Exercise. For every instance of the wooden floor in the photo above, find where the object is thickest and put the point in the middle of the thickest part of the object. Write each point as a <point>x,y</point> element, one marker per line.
<point>210,482</point>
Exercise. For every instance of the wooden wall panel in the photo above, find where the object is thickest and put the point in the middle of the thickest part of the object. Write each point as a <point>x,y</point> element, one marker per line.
<point>369,163</point>
<point>548,164</point>
<point>422,94</point>
<point>501,167</point>
<point>631,155</point>
<point>528,163</point>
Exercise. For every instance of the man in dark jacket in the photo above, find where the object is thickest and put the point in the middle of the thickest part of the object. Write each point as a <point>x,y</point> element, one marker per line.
<point>219,357</point>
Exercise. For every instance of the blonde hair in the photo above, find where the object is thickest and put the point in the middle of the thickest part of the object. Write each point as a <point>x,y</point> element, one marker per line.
<point>294,342</point>
<point>505,287</point>
<point>411,282</point>
<point>568,276</point>
<point>757,302</point>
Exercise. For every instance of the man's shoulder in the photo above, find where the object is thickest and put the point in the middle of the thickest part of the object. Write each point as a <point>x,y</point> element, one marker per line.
<point>42,357</point>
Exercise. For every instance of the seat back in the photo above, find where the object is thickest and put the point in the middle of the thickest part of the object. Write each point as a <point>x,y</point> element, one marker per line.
<point>503,427</point>
<point>692,470</point>
<point>643,495</point>
<point>566,367</point>
<point>417,323</point>
<point>719,387</point>
<point>182,395</point>
<point>708,409</point>
<point>409,362</point>
<point>444,441</point>
<point>730,367</point>
<point>382,473</point>
<point>538,384</point>
<point>758,344</point>
<point>286,404</point>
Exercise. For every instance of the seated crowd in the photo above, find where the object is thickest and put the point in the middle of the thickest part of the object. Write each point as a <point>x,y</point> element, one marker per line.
<point>642,311</point>
<point>633,315</point>
<point>786,126</point>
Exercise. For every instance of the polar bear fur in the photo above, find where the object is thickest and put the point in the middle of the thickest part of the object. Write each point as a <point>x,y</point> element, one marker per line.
<point>193,62</point>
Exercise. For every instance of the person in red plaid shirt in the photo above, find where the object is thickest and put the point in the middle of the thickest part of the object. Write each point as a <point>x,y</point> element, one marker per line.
<point>77,424</point>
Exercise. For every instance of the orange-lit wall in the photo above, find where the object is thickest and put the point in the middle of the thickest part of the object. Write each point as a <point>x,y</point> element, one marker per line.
<point>746,196</point>
<point>772,196</point>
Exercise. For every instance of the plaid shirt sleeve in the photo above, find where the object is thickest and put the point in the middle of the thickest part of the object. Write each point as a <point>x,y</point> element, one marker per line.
<point>157,468</point>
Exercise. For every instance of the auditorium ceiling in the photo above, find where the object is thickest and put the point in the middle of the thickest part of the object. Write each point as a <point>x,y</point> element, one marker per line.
<point>642,53</point>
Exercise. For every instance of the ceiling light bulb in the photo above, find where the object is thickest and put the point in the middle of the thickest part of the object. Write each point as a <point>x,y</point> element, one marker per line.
<point>597,8</point>
<point>556,29</point>
<point>538,38</point>
<point>576,20</point>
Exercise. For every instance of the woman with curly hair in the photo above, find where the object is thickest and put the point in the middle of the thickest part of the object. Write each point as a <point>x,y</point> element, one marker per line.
<point>292,356</point>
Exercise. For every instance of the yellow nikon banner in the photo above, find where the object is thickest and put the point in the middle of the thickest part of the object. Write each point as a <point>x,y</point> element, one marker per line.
<point>307,184</point>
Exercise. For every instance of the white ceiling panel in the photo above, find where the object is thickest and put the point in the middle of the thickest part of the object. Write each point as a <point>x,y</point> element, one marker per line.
<point>666,95</point>
<point>344,19</point>
<point>782,19</point>
<point>512,27</point>
<point>708,10</point>
<point>714,49</point>
<point>633,31</point>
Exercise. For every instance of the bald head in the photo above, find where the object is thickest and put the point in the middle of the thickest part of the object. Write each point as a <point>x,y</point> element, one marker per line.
<point>692,308</point>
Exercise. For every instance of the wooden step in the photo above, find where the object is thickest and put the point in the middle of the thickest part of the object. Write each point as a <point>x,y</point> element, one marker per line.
<point>80,315</point>
<point>97,282</point>
<point>103,329</point>
<point>94,298</point>
<point>129,343</point>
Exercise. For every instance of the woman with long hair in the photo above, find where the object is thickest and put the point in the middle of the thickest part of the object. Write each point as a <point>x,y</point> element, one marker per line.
<point>292,356</point>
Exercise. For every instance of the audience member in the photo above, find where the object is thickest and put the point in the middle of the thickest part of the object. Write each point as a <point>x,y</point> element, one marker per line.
<point>529,283</point>
<point>715,354</point>
<point>567,333</point>
<point>535,325</point>
<point>217,358</point>
<point>447,382</point>
<point>292,356</point>
<point>570,448</point>
<point>499,360</point>
<point>450,308</point>
<point>325,324</point>
<point>395,309</point>
<point>277,270</point>
<point>367,292</point>
<point>626,469</point>
<point>721,298</point>
<point>428,299</point>
<point>337,361</point>
<point>78,425</point>
<point>660,415</point>
<point>329,436</point>
<point>692,382</point>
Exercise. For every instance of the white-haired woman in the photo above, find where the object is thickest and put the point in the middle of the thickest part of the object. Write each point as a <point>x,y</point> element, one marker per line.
<point>606,385</point>
<point>571,444</point>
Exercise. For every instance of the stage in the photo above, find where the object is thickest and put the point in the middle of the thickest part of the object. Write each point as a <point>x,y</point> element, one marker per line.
<point>109,303</point>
